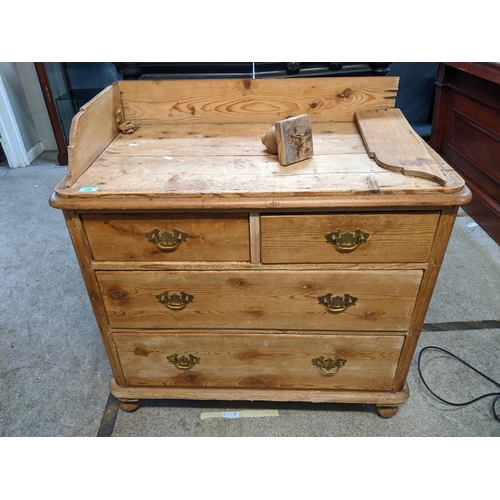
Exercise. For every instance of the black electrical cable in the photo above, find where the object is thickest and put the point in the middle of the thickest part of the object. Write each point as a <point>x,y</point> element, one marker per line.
<point>496,394</point>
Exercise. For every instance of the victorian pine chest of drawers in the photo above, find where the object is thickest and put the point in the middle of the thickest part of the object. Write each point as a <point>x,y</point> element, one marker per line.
<point>216,273</point>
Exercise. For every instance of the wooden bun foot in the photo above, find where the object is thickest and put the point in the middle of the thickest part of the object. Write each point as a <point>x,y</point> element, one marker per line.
<point>129,404</point>
<point>387,411</point>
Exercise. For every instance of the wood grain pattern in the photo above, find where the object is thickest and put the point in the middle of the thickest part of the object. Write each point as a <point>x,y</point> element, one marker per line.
<point>393,237</point>
<point>252,299</point>
<point>261,394</point>
<point>262,361</point>
<point>246,176</point>
<point>267,203</point>
<point>82,251</point>
<point>122,237</point>
<point>256,259</point>
<point>251,101</point>
<point>228,160</point>
<point>255,266</point>
<point>154,146</point>
<point>443,233</point>
<point>92,130</point>
<point>254,220</point>
<point>294,139</point>
<point>223,139</point>
<point>390,139</point>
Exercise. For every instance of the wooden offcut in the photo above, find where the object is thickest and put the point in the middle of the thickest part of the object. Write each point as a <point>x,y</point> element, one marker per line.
<point>394,145</point>
<point>269,140</point>
<point>294,139</point>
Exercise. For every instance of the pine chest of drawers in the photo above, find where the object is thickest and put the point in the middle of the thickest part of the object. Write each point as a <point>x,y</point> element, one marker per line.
<point>216,273</point>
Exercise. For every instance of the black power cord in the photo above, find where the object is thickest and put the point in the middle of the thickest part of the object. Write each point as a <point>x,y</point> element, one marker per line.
<point>496,394</point>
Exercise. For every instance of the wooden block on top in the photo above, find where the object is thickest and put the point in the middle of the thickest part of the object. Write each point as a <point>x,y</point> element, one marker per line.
<point>294,139</point>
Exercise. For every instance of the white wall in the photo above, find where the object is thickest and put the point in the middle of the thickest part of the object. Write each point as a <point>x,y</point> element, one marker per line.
<point>36,102</point>
<point>19,135</point>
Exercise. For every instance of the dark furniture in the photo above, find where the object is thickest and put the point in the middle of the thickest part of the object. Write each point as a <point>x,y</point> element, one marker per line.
<point>466,133</point>
<point>55,120</point>
<point>242,70</point>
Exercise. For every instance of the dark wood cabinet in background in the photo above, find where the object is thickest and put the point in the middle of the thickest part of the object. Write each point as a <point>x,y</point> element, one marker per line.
<point>55,121</point>
<point>466,133</point>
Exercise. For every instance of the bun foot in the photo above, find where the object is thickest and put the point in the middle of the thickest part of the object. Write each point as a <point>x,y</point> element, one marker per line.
<point>387,411</point>
<point>129,404</point>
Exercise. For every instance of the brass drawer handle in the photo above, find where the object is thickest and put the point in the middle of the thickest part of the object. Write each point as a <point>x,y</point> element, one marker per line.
<point>166,242</point>
<point>327,365</point>
<point>176,302</point>
<point>183,362</point>
<point>337,304</point>
<point>346,242</point>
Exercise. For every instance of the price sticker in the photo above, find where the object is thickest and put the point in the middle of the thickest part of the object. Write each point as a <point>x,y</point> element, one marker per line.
<point>230,414</point>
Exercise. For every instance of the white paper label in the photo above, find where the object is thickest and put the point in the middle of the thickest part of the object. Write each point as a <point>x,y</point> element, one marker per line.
<point>88,189</point>
<point>230,414</point>
<point>239,414</point>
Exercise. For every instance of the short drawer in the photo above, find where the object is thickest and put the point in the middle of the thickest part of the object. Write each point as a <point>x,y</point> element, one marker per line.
<point>167,237</point>
<point>344,362</point>
<point>345,238</point>
<point>285,300</point>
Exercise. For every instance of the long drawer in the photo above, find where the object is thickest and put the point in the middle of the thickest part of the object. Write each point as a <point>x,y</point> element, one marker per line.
<point>168,237</point>
<point>280,361</point>
<point>336,238</point>
<point>309,300</point>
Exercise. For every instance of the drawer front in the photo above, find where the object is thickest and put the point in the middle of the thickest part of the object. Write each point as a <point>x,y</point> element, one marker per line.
<point>310,300</point>
<point>345,362</point>
<point>169,237</point>
<point>383,237</point>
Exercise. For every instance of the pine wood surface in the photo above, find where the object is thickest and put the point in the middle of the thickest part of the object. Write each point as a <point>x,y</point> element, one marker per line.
<point>92,130</point>
<point>82,251</point>
<point>252,360</point>
<point>255,260</point>
<point>393,237</point>
<point>252,299</point>
<point>267,203</point>
<point>260,394</point>
<point>246,177</point>
<point>443,233</point>
<point>255,251</point>
<point>250,101</point>
<point>215,101</point>
<point>163,156</point>
<point>223,139</point>
<point>253,266</point>
<point>230,161</point>
<point>122,237</point>
<point>390,139</point>
<point>294,140</point>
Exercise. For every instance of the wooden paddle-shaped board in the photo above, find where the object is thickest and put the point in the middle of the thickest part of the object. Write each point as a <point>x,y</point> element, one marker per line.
<point>394,145</point>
